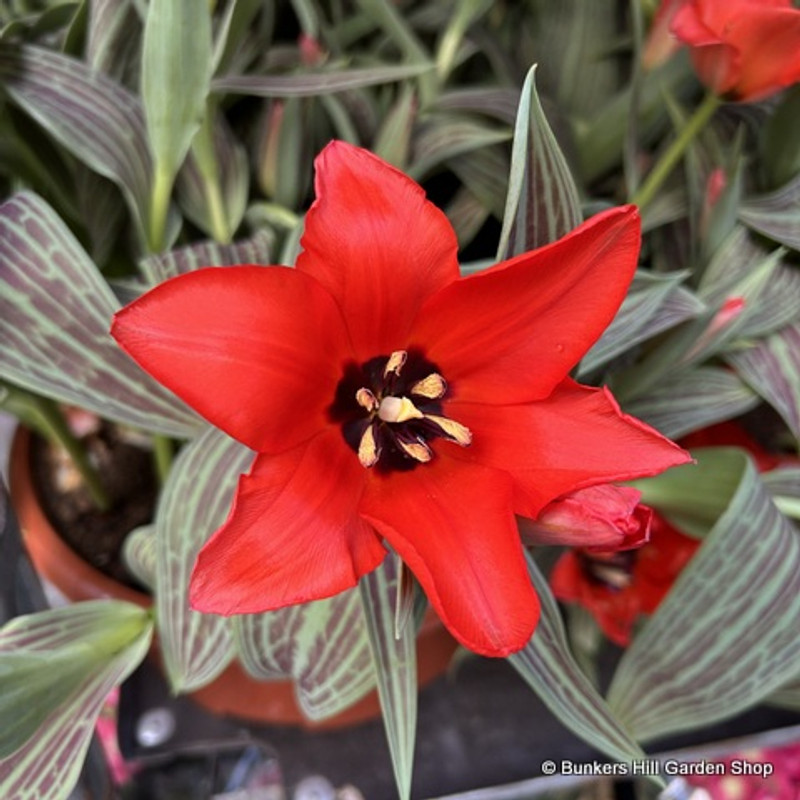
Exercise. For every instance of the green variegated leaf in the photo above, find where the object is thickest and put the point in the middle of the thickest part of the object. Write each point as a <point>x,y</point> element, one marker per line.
<point>56,670</point>
<point>393,139</point>
<point>654,303</point>
<point>176,76</point>
<point>214,183</point>
<point>772,368</point>
<point>484,172</point>
<point>701,657</point>
<point>255,250</point>
<point>501,104</point>
<point>787,696</point>
<point>315,84</point>
<point>395,657</point>
<point>323,646</point>
<point>55,313</point>
<point>783,483</point>
<point>776,215</point>
<point>96,119</point>
<point>549,668</point>
<point>102,210</point>
<point>442,138</point>
<point>467,214</point>
<point>744,268</point>
<point>196,500</point>
<point>694,399</point>
<point>575,42</point>
<point>139,552</point>
<point>113,36</point>
<point>542,202</point>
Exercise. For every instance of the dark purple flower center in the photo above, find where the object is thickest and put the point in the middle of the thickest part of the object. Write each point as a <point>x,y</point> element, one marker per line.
<point>390,408</point>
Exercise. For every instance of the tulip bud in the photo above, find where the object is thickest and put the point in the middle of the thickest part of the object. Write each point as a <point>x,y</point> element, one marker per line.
<point>661,43</point>
<point>606,518</point>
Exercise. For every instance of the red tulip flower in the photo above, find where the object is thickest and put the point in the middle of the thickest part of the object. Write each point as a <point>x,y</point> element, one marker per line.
<point>617,588</point>
<point>391,401</point>
<point>741,49</point>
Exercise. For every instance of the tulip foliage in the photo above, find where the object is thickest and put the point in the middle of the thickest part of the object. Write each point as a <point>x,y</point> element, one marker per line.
<point>413,323</point>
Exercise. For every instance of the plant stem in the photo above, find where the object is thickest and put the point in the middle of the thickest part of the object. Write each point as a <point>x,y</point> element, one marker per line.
<point>55,427</point>
<point>672,155</point>
<point>162,452</point>
<point>159,209</point>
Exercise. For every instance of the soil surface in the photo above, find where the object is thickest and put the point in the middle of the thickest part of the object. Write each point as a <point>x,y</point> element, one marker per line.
<point>127,473</point>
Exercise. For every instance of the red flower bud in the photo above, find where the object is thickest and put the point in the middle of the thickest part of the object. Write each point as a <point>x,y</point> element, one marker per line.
<point>603,517</point>
<point>742,49</point>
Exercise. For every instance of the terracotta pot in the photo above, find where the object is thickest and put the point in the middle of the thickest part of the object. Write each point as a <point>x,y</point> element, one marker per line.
<point>234,692</point>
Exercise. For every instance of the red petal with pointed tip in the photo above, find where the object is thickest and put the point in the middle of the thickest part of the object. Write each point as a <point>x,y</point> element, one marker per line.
<point>452,524</point>
<point>294,534</point>
<point>577,437</point>
<point>257,351</point>
<point>377,244</point>
<point>512,333</point>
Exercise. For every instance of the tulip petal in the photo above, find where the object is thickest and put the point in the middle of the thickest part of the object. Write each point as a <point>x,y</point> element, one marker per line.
<point>452,524</point>
<point>294,534</point>
<point>577,437</point>
<point>748,49</point>
<point>378,246</point>
<point>257,351</point>
<point>511,333</point>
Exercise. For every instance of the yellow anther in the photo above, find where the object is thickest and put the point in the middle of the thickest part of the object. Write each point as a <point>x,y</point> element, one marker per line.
<point>366,399</point>
<point>453,430</point>
<point>433,387</point>
<point>395,363</point>
<point>368,453</point>
<point>417,450</point>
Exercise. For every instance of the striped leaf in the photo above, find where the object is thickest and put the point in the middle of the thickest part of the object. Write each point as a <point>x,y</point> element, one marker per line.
<point>255,250</point>
<point>55,313</point>
<point>500,104</point>
<point>56,670</point>
<point>772,368</point>
<point>542,202</point>
<point>196,500</point>
<point>692,400</point>
<point>395,657</point>
<point>701,657</point>
<point>787,696</point>
<point>113,36</point>
<point>783,483</point>
<point>776,215</point>
<point>323,646</point>
<point>575,43</point>
<point>315,84</point>
<point>485,173</point>
<point>99,121</point>
<point>654,303</point>
<point>214,182</point>
<point>442,138</point>
<point>548,667</point>
<point>743,267</point>
<point>139,554</point>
